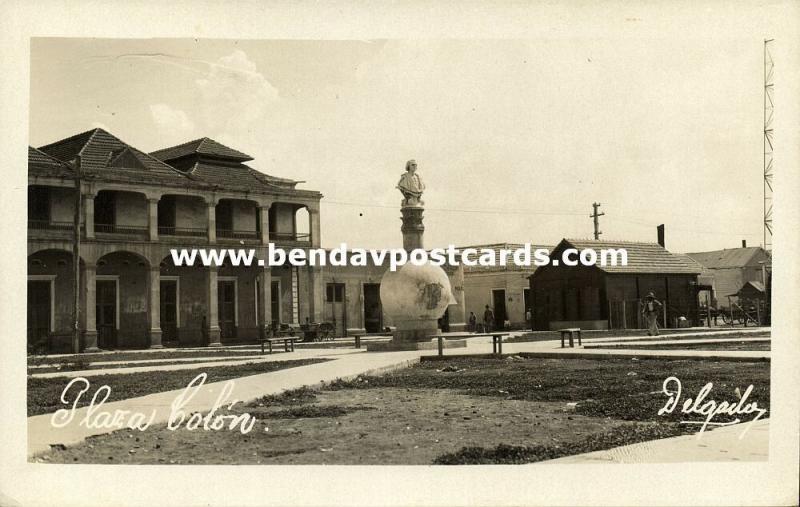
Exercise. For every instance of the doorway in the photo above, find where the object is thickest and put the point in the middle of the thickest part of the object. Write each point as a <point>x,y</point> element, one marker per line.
<point>226,306</point>
<point>373,312</point>
<point>39,315</point>
<point>499,304</point>
<point>335,307</point>
<point>169,310</point>
<point>106,314</point>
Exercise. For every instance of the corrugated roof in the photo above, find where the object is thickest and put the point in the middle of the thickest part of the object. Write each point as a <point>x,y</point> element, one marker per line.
<point>202,146</point>
<point>727,258</point>
<point>97,148</point>
<point>644,258</point>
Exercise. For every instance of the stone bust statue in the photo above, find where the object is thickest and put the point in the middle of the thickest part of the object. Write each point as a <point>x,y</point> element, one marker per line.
<point>411,185</point>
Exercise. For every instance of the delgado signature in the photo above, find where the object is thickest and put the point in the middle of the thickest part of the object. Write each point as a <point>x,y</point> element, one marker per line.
<point>709,408</point>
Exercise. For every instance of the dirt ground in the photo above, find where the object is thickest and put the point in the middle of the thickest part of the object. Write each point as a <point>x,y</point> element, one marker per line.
<point>453,411</point>
<point>378,426</point>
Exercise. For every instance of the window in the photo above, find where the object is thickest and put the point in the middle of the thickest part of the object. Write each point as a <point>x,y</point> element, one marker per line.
<point>334,293</point>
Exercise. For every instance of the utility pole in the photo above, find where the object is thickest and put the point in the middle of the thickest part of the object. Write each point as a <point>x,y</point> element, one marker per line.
<point>76,259</point>
<point>596,216</point>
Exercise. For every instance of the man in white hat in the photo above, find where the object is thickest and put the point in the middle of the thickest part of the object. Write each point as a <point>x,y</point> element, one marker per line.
<point>650,308</point>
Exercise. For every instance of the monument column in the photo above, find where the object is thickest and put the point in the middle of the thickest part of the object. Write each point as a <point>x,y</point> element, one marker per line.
<point>415,296</point>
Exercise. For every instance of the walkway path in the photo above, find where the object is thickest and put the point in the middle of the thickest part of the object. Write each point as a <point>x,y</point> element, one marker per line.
<point>721,444</point>
<point>42,434</point>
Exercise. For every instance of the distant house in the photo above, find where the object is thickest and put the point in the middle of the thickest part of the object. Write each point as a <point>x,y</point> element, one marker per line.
<point>603,297</point>
<point>505,289</point>
<point>732,269</point>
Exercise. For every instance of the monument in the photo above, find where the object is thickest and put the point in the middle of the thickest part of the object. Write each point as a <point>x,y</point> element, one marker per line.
<point>414,297</point>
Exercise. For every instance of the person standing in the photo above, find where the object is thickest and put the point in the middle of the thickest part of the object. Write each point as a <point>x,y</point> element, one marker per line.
<point>650,309</point>
<point>473,322</point>
<point>529,318</point>
<point>488,320</point>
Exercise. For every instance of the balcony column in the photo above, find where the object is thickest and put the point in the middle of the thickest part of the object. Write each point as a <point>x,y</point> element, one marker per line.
<point>263,211</point>
<point>314,227</point>
<point>213,310</point>
<point>88,215</point>
<point>152,205</point>
<point>90,309</point>
<point>155,308</point>
<point>212,221</point>
<point>265,303</point>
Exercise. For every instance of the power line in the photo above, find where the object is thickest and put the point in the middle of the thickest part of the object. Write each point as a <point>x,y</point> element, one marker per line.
<point>596,216</point>
<point>462,210</point>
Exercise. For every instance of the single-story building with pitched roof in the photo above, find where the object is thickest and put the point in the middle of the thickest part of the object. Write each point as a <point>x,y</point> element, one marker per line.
<point>608,297</point>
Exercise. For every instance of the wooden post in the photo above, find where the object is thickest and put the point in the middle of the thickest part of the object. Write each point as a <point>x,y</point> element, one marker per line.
<point>624,321</point>
<point>76,260</point>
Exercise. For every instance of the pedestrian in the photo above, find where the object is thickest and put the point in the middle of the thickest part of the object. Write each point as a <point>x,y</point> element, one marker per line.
<point>488,320</point>
<point>529,318</point>
<point>650,309</point>
<point>473,322</point>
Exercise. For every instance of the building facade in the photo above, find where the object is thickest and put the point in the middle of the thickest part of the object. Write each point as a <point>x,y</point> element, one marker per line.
<point>135,207</point>
<point>504,289</point>
<point>608,297</point>
<point>732,269</point>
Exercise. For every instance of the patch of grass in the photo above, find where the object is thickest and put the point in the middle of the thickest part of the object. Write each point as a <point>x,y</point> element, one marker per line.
<point>95,366</point>
<point>137,356</point>
<point>299,396</point>
<point>754,346</point>
<point>625,389</point>
<point>512,455</point>
<point>44,394</point>
<point>308,411</point>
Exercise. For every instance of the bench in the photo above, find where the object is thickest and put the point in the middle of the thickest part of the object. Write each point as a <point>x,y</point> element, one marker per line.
<point>497,340</point>
<point>288,342</point>
<point>570,331</point>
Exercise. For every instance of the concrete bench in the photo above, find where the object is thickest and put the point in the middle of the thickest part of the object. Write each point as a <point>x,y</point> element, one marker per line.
<point>288,343</point>
<point>497,340</point>
<point>570,331</point>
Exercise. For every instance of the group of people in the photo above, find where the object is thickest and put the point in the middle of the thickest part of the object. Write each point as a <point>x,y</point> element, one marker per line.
<point>651,307</point>
<point>488,321</point>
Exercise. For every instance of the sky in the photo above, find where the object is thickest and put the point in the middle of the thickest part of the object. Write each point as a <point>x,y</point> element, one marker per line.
<point>514,139</point>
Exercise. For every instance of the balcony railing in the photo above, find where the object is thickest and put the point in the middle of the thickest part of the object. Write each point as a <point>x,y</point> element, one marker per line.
<point>198,232</point>
<point>233,234</point>
<point>121,229</point>
<point>48,225</point>
<point>289,236</point>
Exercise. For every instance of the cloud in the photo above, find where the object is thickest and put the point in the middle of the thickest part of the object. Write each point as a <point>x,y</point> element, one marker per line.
<point>234,95</point>
<point>172,124</point>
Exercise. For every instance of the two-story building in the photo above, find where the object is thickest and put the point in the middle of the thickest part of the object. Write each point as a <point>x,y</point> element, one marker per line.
<point>135,207</point>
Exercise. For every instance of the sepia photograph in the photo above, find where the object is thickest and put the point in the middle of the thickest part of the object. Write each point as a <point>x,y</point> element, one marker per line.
<point>506,254</point>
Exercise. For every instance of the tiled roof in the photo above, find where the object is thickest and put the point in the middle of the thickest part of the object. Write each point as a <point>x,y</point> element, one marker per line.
<point>202,146</point>
<point>643,258</point>
<point>42,164</point>
<point>728,258</point>
<point>238,176</point>
<point>97,149</point>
